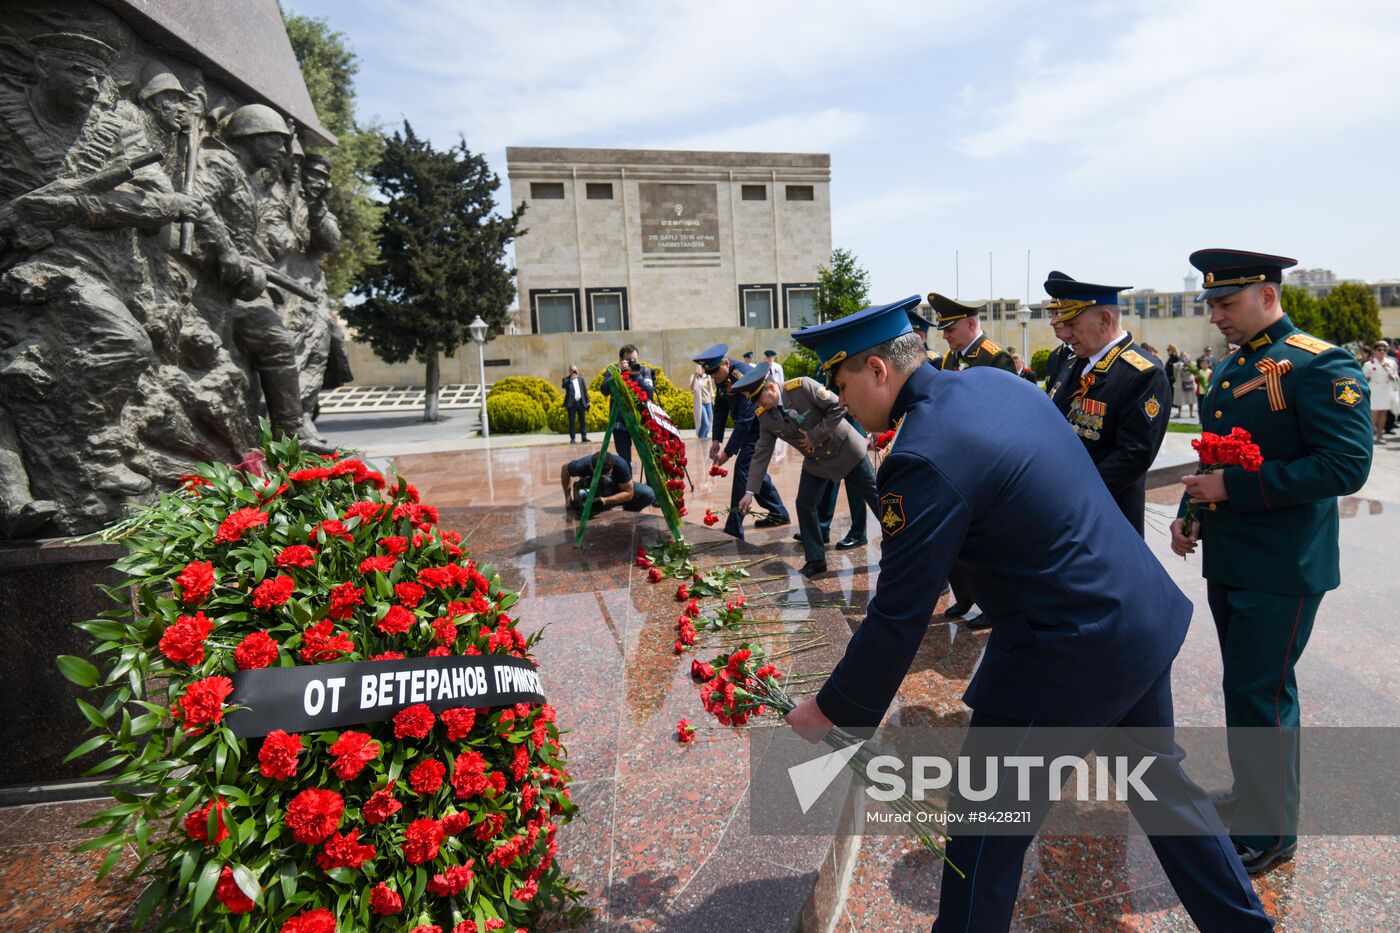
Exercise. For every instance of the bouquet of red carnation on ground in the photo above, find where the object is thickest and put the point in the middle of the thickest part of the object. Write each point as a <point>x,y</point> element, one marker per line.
<point>1216,451</point>
<point>446,818</point>
<point>741,685</point>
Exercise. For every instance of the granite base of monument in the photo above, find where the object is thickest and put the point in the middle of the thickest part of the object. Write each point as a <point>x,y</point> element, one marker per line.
<point>46,586</point>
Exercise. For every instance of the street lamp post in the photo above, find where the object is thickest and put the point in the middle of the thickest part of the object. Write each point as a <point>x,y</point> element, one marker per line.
<point>1023,314</point>
<point>477,330</point>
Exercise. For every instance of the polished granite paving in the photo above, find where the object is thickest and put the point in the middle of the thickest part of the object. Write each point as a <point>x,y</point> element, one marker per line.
<point>662,841</point>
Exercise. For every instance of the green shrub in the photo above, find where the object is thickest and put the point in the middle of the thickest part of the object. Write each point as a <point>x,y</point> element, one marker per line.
<point>596,418</point>
<point>679,405</point>
<point>542,391</point>
<point>514,413</point>
<point>1040,359</point>
<point>801,362</point>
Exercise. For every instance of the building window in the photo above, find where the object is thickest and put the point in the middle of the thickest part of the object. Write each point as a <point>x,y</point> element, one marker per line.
<point>1140,307</point>
<point>599,190</point>
<point>1198,309</point>
<point>607,309</point>
<point>1177,308</point>
<point>754,192</point>
<point>547,190</point>
<point>801,301</point>
<point>756,306</point>
<point>554,311</point>
<point>798,192</point>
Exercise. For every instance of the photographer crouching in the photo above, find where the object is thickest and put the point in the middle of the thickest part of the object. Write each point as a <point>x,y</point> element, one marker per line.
<point>615,488</point>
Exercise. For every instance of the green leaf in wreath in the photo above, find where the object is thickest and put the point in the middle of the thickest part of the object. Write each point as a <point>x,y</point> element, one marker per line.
<point>204,888</point>
<point>78,670</point>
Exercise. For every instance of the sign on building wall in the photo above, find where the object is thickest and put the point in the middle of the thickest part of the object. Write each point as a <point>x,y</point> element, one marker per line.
<point>679,218</point>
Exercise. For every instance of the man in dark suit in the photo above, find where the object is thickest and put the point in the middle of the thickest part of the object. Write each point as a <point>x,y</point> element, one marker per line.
<point>1116,399</point>
<point>1270,535</point>
<point>742,441</point>
<point>1085,621</point>
<point>576,403</point>
<point>628,360</point>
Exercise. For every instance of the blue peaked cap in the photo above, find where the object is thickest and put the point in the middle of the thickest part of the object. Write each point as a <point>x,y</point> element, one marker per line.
<point>839,339</point>
<point>712,357</point>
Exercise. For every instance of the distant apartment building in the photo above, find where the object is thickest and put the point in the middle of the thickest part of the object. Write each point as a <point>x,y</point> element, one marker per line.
<point>1308,278</point>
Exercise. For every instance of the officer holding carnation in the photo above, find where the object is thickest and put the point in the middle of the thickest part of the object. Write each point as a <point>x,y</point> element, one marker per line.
<point>1085,622</point>
<point>1270,534</point>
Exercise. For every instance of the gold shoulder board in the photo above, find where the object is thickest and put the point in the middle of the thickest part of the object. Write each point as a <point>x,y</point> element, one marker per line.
<point>1309,342</point>
<point>1137,359</point>
<point>792,383</point>
<point>990,346</point>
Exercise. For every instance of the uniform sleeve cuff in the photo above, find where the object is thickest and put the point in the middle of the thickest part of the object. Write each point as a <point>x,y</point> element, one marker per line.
<point>1245,489</point>
<point>844,712</point>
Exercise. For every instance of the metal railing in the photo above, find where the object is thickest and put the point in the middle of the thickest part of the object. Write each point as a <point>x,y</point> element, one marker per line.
<point>354,400</point>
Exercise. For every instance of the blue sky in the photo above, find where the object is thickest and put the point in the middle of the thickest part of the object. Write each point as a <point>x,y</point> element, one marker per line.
<point>1110,139</point>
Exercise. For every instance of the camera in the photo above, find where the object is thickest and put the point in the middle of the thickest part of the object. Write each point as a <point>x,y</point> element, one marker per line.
<point>634,365</point>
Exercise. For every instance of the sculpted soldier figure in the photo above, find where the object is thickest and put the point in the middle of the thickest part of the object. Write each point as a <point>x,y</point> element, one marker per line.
<point>234,178</point>
<point>78,180</point>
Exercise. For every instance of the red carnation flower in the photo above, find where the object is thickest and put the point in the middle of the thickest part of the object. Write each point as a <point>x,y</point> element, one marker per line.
<point>682,593</point>
<point>277,759</point>
<point>197,824</point>
<point>319,920</point>
<point>426,928</point>
<point>274,592</point>
<point>710,519</point>
<point>459,722</point>
<point>454,823</point>
<point>381,563</point>
<point>344,598</point>
<point>231,895</point>
<point>421,841</point>
<point>395,545</point>
<point>387,656</point>
<point>256,650</point>
<point>296,555</point>
<point>342,850</point>
<point>195,582</point>
<point>692,608</point>
<point>409,593</point>
<point>701,671</point>
<point>203,703</point>
<point>381,805</point>
<point>314,814</point>
<point>396,621</point>
<point>490,827</point>
<point>183,641</point>
<point>413,722</point>
<point>654,575</point>
<point>318,644</point>
<point>353,750</point>
<point>452,881</point>
<point>444,630</point>
<point>384,900</point>
<point>311,474</point>
<point>330,528</point>
<point>427,776</point>
<point>232,528</point>
<point>469,775</point>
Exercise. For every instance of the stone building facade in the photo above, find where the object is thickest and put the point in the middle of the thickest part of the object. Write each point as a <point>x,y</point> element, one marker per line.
<point>650,240</point>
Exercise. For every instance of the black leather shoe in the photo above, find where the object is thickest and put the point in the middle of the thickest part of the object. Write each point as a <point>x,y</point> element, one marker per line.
<point>771,521</point>
<point>846,543</point>
<point>975,621</point>
<point>1258,861</point>
<point>957,610</point>
<point>812,568</point>
<point>826,539</point>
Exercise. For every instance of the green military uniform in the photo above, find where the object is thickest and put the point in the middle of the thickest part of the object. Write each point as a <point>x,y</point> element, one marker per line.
<point>983,351</point>
<point>1270,548</point>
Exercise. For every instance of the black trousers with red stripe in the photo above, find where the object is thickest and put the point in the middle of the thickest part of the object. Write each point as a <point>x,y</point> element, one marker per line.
<point>1262,635</point>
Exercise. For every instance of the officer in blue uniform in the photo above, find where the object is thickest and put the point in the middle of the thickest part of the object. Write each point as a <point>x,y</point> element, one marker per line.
<point>742,440</point>
<point>1084,620</point>
<point>1270,537</point>
<point>1116,398</point>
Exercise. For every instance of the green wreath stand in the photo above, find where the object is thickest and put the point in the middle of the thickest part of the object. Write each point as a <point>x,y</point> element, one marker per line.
<point>625,404</point>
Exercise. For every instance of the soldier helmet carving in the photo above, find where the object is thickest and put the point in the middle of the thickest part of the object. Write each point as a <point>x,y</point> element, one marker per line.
<point>158,79</point>
<point>253,120</point>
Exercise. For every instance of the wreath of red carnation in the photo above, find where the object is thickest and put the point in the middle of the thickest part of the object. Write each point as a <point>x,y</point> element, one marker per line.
<point>446,820</point>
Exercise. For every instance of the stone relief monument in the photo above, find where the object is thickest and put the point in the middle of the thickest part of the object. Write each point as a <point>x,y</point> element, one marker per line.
<point>161,234</point>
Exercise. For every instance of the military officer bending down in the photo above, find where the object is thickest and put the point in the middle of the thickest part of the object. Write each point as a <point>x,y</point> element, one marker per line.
<point>808,417</point>
<point>1117,398</point>
<point>1085,621</point>
<point>1270,536</point>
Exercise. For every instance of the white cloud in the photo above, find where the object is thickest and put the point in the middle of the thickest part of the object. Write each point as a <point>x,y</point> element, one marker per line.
<point>816,131</point>
<point>904,207</point>
<point>1188,85</point>
<point>507,73</point>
